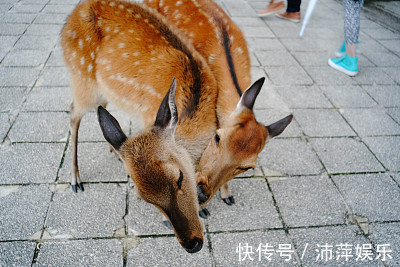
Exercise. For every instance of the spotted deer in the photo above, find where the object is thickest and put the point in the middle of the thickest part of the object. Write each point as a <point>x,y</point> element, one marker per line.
<point>240,137</point>
<point>127,54</point>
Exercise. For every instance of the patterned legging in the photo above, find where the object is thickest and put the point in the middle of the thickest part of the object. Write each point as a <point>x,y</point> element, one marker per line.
<point>352,10</point>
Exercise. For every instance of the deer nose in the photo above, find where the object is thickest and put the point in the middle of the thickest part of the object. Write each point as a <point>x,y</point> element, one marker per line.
<point>196,245</point>
<point>201,195</point>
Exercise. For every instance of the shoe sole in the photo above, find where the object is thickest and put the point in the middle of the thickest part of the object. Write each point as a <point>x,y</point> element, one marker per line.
<point>336,67</point>
<point>285,18</point>
<point>270,13</point>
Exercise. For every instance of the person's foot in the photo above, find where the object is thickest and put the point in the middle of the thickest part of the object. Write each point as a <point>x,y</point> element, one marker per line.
<point>345,64</point>
<point>272,8</point>
<point>342,50</point>
<point>291,16</point>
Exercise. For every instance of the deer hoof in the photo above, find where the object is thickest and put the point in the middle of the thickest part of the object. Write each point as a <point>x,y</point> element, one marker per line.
<point>74,188</point>
<point>229,200</point>
<point>80,186</point>
<point>204,213</point>
<point>168,224</point>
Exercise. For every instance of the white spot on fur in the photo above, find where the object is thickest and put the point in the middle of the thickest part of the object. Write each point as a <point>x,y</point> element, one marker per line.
<point>107,37</point>
<point>108,29</point>
<point>82,60</point>
<point>137,16</point>
<point>111,50</point>
<point>125,55</point>
<point>88,38</point>
<point>136,54</point>
<point>131,31</point>
<point>112,3</point>
<point>108,67</point>
<point>137,63</point>
<point>90,68</point>
<point>166,9</point>
<point>239,50</point>
<point>92,55</point>
<point>80,42</point>
<point>121,7</point>
<point>116,30</point>
<point>121,45</point>
<point>200,23</point>
<point>211,58</point>
<point>161,3</point>
<point>74,54</point>
<point>178,3</point>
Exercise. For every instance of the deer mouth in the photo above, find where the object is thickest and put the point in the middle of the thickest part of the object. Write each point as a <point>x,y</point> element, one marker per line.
<point>197,246</point>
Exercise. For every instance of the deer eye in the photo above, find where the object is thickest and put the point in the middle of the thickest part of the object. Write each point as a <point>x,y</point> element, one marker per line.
<point>246,169</point>
<point>217,138</point>
<point>180,179</point>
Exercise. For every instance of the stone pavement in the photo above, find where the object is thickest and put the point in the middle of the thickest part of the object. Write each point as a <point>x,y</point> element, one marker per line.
<point>329,186</point>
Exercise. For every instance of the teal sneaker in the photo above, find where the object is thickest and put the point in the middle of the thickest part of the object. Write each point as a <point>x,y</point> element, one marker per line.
<point>342,50</point>
<point>345,64</point>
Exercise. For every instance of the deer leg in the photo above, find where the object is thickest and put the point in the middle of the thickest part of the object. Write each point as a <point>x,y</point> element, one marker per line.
<point>204,213</point>
<point>75,118</point>
<point>226,195</point>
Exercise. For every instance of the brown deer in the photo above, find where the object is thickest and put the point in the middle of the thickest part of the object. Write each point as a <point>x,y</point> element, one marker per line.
<point>127,54</point>
<point>240,137</point>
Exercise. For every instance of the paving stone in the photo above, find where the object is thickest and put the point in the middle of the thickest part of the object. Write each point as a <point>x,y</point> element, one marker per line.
<point>18,76</point>
<point>7,42</point>
<point>12,29</point>
<point>392,45</point>
<point>264,44</point>
<point>96,164</point>
<point>345,155</point>
<point>36,42</point>
<point>289,156</point>
<point>56,8</point>
<point>328,76</point>
<point>30,162</point>
<point>49,18</point>
<point>329,121</point>
<point>348,96</point>
<point>312,58</point>
<point>386,96</point>
<point>92,252</point>
<point>40,127</point>
<point>4,125</point>
<point>166,251</point>
<point>48,99</point>
<point>26,8</point>
<point>54,76</point>
<point>314,199</point>
<point>386,148</point>
<point>327,246</point>
<point>394,113</point>
<point>373,76</point>
<point>25,58</point>
<point>381,33</point>
<point>374,196</point>
<point>269,116</point>
<point>258,32</point>
<point>384,59</point>
<point>309,45</point>
<point>254,208</point>
<point>239,9</point>
<point>368,122</point>
<point>268,98</point>
<point>16,253</point>
<point>393,73</point>
<point>248,21</point>
<point>226,249</point>
<point>17,18</point>
<point>291,75</point>
<point>97,212</point>
<point>276,58</point>
<point>303,97</point>
<point>44,29</point>
<point>387,233</point>
<point>23,210</point>
<point>56,59</point>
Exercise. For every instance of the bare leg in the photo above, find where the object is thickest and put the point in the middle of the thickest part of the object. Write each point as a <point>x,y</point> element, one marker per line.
<point>351,50</point>
<point>226,194</point>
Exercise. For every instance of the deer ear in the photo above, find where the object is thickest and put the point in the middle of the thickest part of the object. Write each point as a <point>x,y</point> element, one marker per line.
<point>249,96</point>
<point>278,127</point>
<point>167,115</point>
<point>110,127</point>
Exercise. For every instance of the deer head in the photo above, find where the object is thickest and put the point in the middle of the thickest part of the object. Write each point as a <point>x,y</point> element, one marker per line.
<point>236,145</point>
<point>162,171</point>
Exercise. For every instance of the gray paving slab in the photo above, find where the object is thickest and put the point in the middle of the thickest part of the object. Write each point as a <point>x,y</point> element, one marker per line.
<point>269,116</point>
<point>328,246</point>
<point>387,234</point>
<point>393,73</point>
<point>56,59</point>
<point>44,29</point>
<point>49,18</point>
<point>58,8</point>
<point>54,76</point>
<point>258,248</point>
<point>30,162</point>
<point>12,29</point>
<point>18,76</point>
<point>386,96</point>
<point>314,199</point>
<point>345,155</point>
<point>254,208</point>
<point>27,8</point>
<point>25,58</point>
<point>327,76</point>
<point>392,45</point>
<point>276,58</point>
<point>269,99</point>
<point>330,123</point>
<point>48,99</point>
<point>98,212</point>
<point>40,127</point>
<point>23,210</point>
<point>264,44</point>
<point>386,148</point>
<point>165,251</point>
<point>394,113</point>
<point>8,42</point>
<point>16,253</point>
<point>96,164</point>
<point>17,18</point>
<point>368,196</point>
<point>4,125</point>
<point>291,75</point>
<point>100,252</point>
<point>36,42</point>
<point>384,59</point>
<point>369,122</point>
<point>289,156</point>
<point>303,97</point>
<point>373,75</point>
<point>348,96</point>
